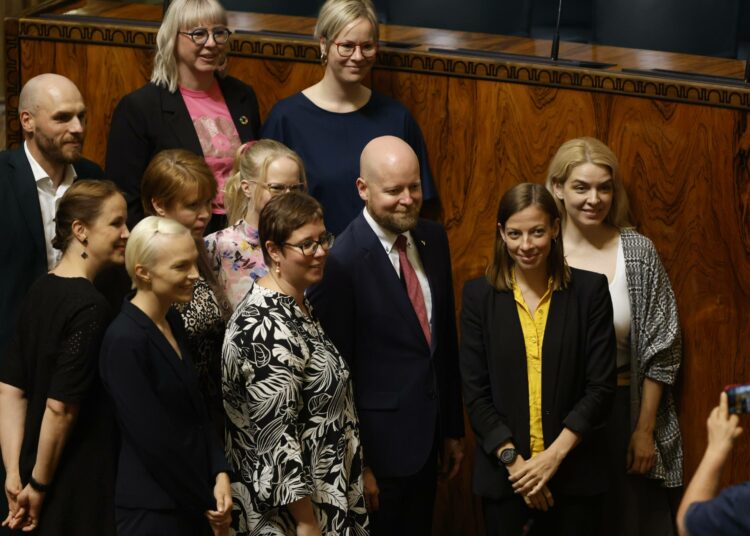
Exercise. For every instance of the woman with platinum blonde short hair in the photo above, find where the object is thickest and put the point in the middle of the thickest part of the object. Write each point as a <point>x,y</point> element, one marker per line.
<point>172,476</point>
<point>190,103</point>
<point>643,432</point>
<point>263,169</point>
<point>329,124</point>
<point>57,433</point>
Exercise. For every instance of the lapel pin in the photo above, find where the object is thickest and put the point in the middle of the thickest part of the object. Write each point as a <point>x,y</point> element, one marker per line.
<point>423,242</point>
<point>244,120</point>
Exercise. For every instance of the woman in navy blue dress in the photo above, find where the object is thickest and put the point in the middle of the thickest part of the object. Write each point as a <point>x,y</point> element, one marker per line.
<point>328,124</point>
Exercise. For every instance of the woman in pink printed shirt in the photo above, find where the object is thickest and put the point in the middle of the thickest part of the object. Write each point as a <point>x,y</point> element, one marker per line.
<point>262,170</point>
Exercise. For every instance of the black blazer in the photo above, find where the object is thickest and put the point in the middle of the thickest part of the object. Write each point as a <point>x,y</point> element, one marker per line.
<point>22,249</point>
<point>578,380</point>
<point>406,392</point>
<point>169,455</point>
<point>151,119</point>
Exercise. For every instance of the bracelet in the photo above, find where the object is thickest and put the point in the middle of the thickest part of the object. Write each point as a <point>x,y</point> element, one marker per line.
<point>36,486</point>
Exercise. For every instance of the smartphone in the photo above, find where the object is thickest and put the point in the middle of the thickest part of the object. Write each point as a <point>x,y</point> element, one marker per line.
<point>738,397</point>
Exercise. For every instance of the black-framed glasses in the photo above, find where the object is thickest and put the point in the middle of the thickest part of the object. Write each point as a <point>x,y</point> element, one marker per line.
<point>276,188</point>
<point>309,247</point>
<point>199,36</point>
<point>368,49</point>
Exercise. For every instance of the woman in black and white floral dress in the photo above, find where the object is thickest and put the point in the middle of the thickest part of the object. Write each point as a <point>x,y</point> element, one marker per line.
<point>292,430</point>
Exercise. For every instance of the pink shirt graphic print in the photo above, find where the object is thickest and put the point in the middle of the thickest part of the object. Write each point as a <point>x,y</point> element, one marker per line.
<point>217,134</point>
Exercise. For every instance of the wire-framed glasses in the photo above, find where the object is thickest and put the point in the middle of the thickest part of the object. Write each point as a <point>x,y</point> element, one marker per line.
<point>368,49</point>
<point>277,188</point>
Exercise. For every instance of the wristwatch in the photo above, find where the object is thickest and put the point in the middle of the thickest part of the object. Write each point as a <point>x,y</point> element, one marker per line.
<point>507,456</point>
<point>36,486</point>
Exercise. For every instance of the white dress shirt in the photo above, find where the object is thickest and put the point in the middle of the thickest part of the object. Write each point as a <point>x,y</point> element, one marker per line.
<point>49,199</point>
<point>388,241</point>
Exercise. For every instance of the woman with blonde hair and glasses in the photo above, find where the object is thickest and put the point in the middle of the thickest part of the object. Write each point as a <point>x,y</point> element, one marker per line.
<point>190,104</point>
<point>328,124</point>
<point>262,170</point>
<point>643,432</point>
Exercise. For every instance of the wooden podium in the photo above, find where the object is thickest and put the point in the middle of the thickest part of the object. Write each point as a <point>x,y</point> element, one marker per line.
<point>490,122</point>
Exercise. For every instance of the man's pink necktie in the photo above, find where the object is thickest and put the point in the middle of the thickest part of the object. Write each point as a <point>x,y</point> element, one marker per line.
<point>413,288</point>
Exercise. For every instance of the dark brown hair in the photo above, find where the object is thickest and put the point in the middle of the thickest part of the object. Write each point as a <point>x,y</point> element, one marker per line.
<point>283,215</point>
<point>521,196</point>
<point>169,173</point>
<point>83,201</point>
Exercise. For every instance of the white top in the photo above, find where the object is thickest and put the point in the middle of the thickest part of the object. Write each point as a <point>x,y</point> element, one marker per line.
<point>618,289</point>
<point>388,241</point>
<point>49,199</point>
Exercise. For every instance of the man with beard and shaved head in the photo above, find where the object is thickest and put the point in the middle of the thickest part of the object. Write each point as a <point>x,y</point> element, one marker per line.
<point>33,178</point>
<point>386,301</point>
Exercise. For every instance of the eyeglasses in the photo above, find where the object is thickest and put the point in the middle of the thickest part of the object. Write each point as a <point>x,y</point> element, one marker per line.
<point>276,188</point>
<point>309,247</point>
<point>368,49</point>
<point>199,36</point>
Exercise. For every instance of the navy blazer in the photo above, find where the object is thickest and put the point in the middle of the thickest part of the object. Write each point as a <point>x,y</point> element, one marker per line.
<point>151,119</point>
<point>22,249</point>
<point>169,455</point>
<point>407,393</point>
<point>578,380</point>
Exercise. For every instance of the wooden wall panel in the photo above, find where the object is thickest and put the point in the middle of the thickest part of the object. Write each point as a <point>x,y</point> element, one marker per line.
<point>685,167</point>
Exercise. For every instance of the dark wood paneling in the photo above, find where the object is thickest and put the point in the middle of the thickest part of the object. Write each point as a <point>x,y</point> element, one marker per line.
<point>684,151</point>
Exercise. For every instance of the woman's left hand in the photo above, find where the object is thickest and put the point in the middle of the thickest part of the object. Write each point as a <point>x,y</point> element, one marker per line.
<point>535,473</point>
<point>221,518</point>
<point>641,453</point>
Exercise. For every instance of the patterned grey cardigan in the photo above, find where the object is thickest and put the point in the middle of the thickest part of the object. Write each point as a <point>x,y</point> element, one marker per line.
<point>655,348</point>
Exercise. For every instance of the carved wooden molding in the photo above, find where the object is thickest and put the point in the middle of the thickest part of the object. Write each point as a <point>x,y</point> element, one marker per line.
<point>262,46</point>
<point>12,83</point>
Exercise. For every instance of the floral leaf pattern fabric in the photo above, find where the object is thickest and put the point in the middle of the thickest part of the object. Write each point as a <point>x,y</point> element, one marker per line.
<point>292,428</point>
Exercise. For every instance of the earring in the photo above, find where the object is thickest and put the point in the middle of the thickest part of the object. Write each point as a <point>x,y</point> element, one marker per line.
<point>323,58</point>
<point>278,270</point>
<point>84,243</point>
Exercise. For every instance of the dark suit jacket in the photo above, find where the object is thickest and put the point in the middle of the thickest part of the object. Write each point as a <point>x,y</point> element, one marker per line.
<point>22,249</point>
<point>403,388</point>
<point>169,454</point>
<point>578,380</point>
<point>151,119</point>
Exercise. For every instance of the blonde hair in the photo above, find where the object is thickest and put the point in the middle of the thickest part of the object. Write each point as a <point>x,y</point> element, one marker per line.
<point>585,150</point>
<point>335,15</point>
<point>181,15</point>
<point>145,240</point>
<point>251,164</point>
<point>170,173</point>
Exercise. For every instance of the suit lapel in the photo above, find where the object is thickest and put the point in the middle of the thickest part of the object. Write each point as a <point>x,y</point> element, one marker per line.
<point>554,332</point>
<point>376,259</point>
<point>237,106</point>
<point>180,367</point>
<point>176,115</point>
<point>25,187</point>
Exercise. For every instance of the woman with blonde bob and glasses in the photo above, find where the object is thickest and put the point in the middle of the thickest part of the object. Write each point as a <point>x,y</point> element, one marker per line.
<point>172,476</point>
<point>329,124</point>
<point>537,364</point>
<point>292,432</point>
<point>190,103</point>
<point>643,432</point>
<point>262,170</point>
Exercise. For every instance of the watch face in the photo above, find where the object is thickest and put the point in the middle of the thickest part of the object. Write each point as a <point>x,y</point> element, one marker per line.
<point>508,456</point>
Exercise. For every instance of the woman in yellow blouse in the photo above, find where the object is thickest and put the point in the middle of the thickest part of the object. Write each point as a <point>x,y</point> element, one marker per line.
<point>537,363</point>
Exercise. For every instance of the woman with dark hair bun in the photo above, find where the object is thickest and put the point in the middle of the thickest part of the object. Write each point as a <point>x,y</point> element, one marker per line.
<point>56,431</point>
<point>537,364</point>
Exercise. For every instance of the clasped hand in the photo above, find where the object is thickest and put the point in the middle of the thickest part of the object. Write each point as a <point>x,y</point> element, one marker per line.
<point>530,478</point>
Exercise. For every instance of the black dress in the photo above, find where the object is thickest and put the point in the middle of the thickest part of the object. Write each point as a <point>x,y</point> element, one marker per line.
<point>54,354</point>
